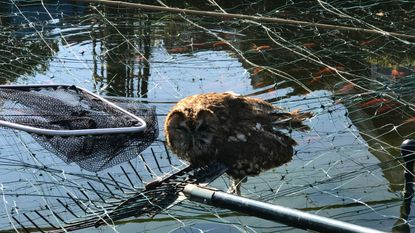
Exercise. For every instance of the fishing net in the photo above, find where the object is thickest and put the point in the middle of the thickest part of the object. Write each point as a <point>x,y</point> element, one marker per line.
<point>69,108</point>
<point>349,62</point>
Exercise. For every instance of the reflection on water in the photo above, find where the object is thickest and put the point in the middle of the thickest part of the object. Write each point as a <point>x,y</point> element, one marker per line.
<point>359,85</point>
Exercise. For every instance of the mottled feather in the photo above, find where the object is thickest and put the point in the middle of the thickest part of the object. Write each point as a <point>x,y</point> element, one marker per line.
<point>243,133</point>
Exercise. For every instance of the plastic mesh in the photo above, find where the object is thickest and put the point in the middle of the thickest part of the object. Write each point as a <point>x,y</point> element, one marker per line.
<point>68,108</point>
<point>358,81</point>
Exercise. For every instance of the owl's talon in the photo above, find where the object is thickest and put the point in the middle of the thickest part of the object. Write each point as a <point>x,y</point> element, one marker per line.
<point>235,187</point>
<point>235,190</point>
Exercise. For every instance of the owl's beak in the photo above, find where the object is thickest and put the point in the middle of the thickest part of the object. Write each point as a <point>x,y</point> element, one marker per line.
<point>191,125</point>
<point>191,138</point>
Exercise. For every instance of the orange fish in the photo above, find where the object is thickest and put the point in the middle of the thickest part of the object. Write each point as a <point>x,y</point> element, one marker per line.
<point>271,90</point>
<point>262,47</point>
<point>260,84</point>
<point>178,50</point>
<point>366,42</point>
<point>316,79</point>
<point>410,119</point>
<point>395,73</point>
<point>256,70</point>
<point>384,108</point>
<point>199,45</point>
<point>220,43</point>
<point>328,70</point>
<point>373,101</point>
<point>346,88</point>
<point>255,48</point>
<point>309,45</point>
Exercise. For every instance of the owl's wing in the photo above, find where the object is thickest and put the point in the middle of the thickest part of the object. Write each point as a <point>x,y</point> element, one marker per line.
<point>290,120</point>
<point>257,150</point>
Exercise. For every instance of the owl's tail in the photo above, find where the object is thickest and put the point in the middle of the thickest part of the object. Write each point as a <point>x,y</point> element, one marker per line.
<point>291,120</point>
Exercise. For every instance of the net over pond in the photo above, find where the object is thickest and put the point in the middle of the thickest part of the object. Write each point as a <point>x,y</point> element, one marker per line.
<point>348,62</point>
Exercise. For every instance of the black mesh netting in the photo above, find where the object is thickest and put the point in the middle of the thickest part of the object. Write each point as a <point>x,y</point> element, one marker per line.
<point>69,108</point>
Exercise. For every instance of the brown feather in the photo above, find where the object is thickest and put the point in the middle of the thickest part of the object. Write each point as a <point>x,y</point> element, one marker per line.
<point>241,132</point>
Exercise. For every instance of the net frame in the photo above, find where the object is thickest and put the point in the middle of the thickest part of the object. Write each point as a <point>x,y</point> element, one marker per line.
<point>78,199</point>
<point>77,125</point>
<point>77,132</point>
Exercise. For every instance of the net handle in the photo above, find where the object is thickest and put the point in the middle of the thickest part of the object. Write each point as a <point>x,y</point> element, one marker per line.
<point>78,132</point>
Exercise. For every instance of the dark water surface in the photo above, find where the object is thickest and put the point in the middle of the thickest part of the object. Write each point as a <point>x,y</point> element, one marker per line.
<point>359,85</point>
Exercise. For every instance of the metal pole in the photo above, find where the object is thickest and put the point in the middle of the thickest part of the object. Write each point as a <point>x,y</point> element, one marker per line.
<point>408,155</point>
<point>287,216</point>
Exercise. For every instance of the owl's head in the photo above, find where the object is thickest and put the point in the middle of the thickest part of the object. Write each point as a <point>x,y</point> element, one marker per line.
<point>191,135</point>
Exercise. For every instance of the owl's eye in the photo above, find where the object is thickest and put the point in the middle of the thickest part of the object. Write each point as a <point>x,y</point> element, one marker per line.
<point>182,128</point>
<point>203,127</point>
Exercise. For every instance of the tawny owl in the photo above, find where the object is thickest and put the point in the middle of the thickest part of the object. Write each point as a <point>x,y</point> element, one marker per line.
<point>248,135</point>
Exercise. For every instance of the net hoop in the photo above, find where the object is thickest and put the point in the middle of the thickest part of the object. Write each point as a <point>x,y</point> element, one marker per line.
<point>77,132</point>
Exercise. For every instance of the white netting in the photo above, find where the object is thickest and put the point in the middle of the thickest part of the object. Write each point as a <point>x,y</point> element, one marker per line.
<point>349,62</point>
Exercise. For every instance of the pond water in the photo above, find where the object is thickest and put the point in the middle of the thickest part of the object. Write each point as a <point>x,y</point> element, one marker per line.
<point>358,84</point>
